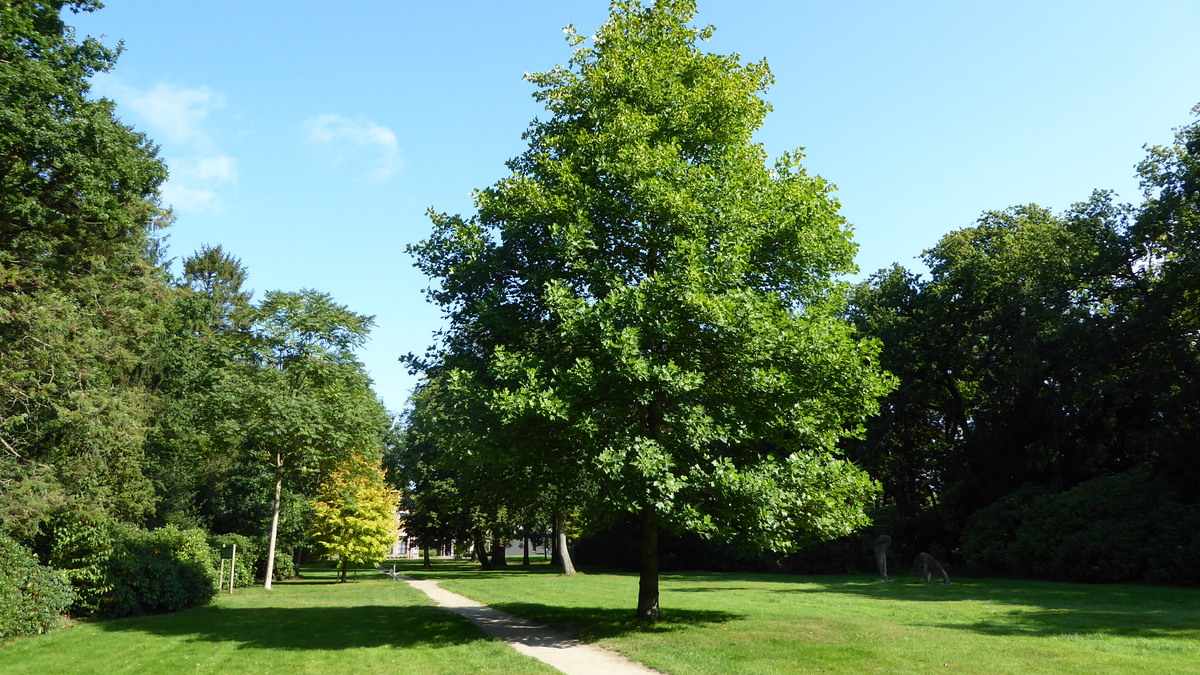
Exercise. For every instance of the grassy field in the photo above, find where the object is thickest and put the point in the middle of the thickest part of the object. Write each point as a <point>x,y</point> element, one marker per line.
<point>369,625</point>
<point>748,623</point>
<point>714,623</point>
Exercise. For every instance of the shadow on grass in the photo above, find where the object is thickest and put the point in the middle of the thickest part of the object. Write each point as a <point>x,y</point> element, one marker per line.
<point>1051,623</point>
<point>1041,608</point>
<point>594,623</point>
<point>1022,608</point>
<point>298,628</point>
<point>460,569</point>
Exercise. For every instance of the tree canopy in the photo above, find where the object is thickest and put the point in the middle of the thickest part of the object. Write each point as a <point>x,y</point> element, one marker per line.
<point>654,304</point>
<point>354,515</point>
<point>1043,351</point>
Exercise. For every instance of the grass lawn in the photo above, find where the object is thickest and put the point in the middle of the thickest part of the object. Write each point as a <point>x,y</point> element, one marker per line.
<point>369,625</point>
<point>759,623</point>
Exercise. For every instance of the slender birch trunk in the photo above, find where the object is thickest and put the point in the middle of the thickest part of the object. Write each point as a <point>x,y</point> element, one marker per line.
<point>274,521</point>
<point>560,546</point>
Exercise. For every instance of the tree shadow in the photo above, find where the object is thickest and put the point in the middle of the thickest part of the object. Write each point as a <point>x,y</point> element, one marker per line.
<point>1051,623</point>
<point>301,628</point>
<point>1023,608</point>
<point>589,624</point>
<point>1040,608</point>
<point>444,570</point>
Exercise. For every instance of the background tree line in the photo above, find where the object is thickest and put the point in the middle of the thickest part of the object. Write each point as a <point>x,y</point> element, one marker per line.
<point>643,334</point>
<point>142,411</point>
<point>1046,423</point>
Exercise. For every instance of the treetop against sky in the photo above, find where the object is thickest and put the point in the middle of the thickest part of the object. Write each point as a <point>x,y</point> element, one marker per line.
<point>310,142</point>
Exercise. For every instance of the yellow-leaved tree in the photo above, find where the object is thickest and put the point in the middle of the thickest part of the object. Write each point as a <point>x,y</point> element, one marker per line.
<point>354,519</point>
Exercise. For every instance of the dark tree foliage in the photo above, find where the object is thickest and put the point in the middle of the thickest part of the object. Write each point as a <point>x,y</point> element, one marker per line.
<point>1042,350</point>
<point>127,398</point>
<point>81,299</point>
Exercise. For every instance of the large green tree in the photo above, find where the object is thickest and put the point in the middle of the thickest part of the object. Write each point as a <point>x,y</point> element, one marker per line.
<point>648,283</point>
<point>81,295</point>
<point>302,401</point>
<point>193,463</point>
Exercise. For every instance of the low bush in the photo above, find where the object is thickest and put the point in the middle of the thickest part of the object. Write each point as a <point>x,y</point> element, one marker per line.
<point>987,546</point>
<point>33,597</point>
<point>78,543</point>
<point>248,553</point>
<point>284,568</point>
<point>160,570</point>
<point>1125,527</point>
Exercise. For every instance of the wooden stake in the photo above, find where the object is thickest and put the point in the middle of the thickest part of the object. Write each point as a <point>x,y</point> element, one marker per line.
<point>232,568</point>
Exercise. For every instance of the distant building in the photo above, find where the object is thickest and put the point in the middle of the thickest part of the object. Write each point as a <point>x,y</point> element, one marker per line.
<point>406,545</point>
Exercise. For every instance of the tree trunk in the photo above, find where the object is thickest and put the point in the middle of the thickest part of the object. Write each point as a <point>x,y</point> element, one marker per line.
<point>481,551</point>
<point>648,609</point>
<point>342,578</point>
<point>427,563</point>
<point>498,546</point>
<point>525,551</point>
<point>560,547</point>
<point>274,521</point>
<point>555,551</point>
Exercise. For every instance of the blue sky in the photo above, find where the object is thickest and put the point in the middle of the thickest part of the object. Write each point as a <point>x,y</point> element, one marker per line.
<point>309,137</point>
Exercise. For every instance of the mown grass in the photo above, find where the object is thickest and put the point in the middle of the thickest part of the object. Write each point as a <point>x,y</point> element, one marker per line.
<point>759,623</point>
<point>314,625</point>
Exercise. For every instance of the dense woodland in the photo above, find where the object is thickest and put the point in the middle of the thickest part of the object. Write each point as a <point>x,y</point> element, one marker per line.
<point>148,419</point>
<point>651,351</point>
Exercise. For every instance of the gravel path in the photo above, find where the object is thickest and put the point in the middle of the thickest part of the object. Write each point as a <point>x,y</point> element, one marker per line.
<point>542,643</point>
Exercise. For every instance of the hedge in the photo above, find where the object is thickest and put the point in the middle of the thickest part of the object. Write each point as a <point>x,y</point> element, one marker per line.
<point>1125,527</point>
<point>33,597</point>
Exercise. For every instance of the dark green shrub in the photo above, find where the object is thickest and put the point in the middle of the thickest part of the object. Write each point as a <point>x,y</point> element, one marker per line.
<point>33,597</point>
<point>161,570</point>
<point>285,568</point>
<point>1124,527</point>
<point>1175,547</point>
<point>987,545</point>
<point>79,544</point>
<point>247,555</point>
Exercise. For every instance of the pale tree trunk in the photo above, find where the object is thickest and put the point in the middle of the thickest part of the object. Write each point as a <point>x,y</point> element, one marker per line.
<point>648,609</point>
<point>274,521</point>
<point>560,546</point>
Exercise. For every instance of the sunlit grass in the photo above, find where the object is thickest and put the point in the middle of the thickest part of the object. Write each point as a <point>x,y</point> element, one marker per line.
<point>368,625</point>
<point>760,623</point>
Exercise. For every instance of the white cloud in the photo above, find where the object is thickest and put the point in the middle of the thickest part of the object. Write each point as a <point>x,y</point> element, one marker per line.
<point>219,168</point>
<point>183,198</point>
<point>176,114</point>
<point>178,118</point>
<point>377,139</point>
